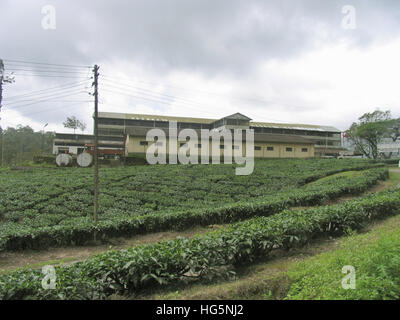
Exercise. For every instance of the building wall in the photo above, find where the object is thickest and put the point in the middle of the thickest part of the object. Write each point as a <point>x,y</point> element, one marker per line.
<point>133,145</point>
<point>71,149</point>
<point>279,150</point>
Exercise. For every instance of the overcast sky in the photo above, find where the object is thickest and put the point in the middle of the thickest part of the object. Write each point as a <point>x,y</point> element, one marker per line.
<point>297,61</point>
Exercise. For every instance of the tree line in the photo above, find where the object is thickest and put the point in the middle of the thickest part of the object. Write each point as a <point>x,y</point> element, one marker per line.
<point>370,130</point>
<point>23,143</point>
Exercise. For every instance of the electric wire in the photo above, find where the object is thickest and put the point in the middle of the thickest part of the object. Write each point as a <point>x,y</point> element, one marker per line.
<point>45,63</point>
<point>43,100</point>
<point>56,88</point>
<point>47,95</point>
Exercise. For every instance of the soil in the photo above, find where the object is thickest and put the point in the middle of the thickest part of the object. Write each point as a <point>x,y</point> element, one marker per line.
<point>65,256</point>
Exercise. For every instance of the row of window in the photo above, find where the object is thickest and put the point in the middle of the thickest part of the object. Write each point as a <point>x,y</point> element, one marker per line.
<point>328,143</point>
<point>183,125</point>
<point>159,144</point>
<point>221,146</point>
<point>287,149</point>
<point>297,132</point>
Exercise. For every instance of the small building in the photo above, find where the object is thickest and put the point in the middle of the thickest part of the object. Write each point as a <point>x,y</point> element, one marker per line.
<point>75,143</point>
<point>389,148</point>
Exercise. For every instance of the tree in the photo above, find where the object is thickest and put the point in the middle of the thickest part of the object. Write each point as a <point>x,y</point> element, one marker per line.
<point>22,144</point>
<point>74,123</point>
<point>370,130</point>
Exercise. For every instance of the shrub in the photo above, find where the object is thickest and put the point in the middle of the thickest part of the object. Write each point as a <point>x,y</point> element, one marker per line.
<point>163,263</point>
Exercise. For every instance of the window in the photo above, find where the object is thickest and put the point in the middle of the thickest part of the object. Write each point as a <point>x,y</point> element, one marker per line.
<point>288,149</point>
<point>278,131</point>
<point>257,148</point>
<point>304,149</point>
<point>71,144</point>
<point>198,145</point>
<point>270,148</point>
<point>109,121</point>
<point>189,125</point>
<point>63,150</point>
<point>221,146</point>
<point>237,122</point>
<point>144,143</point>
<point>110,132</point>
<point>161,124</point>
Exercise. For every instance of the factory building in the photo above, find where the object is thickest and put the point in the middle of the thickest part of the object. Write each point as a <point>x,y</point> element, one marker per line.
<point>271,140</point>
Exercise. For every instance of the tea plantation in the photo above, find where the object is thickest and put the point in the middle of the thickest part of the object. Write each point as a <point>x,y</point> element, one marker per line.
<point>47,207</point>
<point>53,207</point>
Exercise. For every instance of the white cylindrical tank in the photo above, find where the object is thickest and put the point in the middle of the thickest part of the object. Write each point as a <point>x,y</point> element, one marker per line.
<point>63,160</point>
<point>84,159</point>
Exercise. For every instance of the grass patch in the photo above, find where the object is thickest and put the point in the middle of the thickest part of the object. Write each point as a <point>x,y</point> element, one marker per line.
<point>346,174</point>
<point>375,257</point>
<point>394,177</point>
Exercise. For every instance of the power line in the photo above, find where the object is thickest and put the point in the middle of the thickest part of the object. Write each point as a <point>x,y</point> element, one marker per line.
<point>46,71</point>
<point>54,100</point>
<point>154,96</point>
<point>12,65</point>
<point>47,64</point>
<point>139,97</point>
<point>44,100</point>
<point>42,75</point>
<point>46,94</point>
<point>49,95</point>
<point>56,88</point>
<point>160,100</point>
<point>258,101</point>
<point>124,86</point>
<point>153,100</point>
<point>170,86</point>
<point>168,99</point>
<point>54,109</point>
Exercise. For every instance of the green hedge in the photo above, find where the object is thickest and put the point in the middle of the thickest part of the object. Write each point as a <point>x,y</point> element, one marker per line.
<point>49,159</point>
<point>389,161</point>
<point>81,230</point>
<point>163,263</point>
<point>133,159</point>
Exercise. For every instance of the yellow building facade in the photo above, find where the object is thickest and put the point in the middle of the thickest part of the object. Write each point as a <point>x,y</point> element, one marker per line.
<point>262,149</point>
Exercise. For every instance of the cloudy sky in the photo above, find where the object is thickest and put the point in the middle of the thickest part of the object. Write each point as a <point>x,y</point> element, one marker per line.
<point>297,61</point>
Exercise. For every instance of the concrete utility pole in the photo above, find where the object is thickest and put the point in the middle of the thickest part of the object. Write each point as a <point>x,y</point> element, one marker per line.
<point>96,141</point>
<point>43,137</point>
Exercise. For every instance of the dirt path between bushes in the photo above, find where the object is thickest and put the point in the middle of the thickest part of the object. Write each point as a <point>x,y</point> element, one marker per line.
<point>67,255</point>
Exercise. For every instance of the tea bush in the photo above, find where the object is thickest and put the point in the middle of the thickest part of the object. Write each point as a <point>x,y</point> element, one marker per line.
<point>167,262</point>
